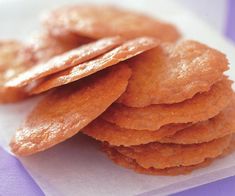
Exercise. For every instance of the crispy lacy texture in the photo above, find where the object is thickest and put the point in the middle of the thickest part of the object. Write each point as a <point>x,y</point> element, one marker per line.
<point>65,60</point>
<point>173,73</point>
<point>201,107</point>
<point>129,163</point>
<point>217,127</point>
<point>102,21</point>
<point>161,156</point>
<point>115,135</point>
<point>65,111</point>
<point>121,53</point>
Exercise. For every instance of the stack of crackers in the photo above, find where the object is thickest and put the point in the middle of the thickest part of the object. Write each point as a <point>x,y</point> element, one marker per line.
<point>159,104</point>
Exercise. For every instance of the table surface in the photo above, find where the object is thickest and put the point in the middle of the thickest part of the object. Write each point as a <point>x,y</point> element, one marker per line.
<point>22,182</point>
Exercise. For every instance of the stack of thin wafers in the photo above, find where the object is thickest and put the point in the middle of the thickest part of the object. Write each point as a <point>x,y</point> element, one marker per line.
<point>159,104</point>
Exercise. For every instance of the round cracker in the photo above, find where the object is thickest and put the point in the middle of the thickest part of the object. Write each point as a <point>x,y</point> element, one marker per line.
<point>200,108</point>
<point>115,135</point>
<point>129,163</point>
<point>121,53</point>
<point>44,46</point>
<point>173,73</point>
<point>219,126</point>
<point>102,21</point>
<point>162,156</point>
<point>12,62</point>
<point>65,111</point>
<point>65,60</point>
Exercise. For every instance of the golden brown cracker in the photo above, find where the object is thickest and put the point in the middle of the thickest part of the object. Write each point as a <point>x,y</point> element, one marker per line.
<point>219,126</point>
<point>12,62</point>
<point>162,156</point>
<point>102,21</point>
<point>65,60</point>
<point>173,73</point>
<point>121,53</point>
<point>201,107</point>
<point>65,111</point>
<point>129,163</point>
<point>115,135</point>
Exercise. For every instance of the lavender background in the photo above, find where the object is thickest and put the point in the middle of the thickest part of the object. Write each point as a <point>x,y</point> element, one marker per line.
<point>14,179</point>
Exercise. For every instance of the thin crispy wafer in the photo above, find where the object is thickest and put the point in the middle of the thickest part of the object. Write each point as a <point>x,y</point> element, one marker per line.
<point>102,21</point>
<point>65,60</point>
<point>201,107</point>
<point>129,163</point>
<point>115,135</point>
<point>12,62</point>
<point>162,156</point>
<point>121,53</point>
<point>219,126</point>
<point>173,73</point>
<point>65,111</point>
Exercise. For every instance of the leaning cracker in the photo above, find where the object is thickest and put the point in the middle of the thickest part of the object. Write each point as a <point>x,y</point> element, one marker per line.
<point>12,62</point>
<point>162,156</point>
<point>61,114</point>
<point>201,107</point>
<point>102,21</point>
<point>64,61</point>
<point>115,135</point>
<point>129,163</point>
<point>217,127</point>
<point>173,73</point>
<point>121,53</point>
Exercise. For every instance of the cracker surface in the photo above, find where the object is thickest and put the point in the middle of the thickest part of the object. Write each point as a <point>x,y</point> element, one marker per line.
<point>162,156</point>
<point>65,111</point>
<point>65,60</point>
<point>125,51</point>
<point>199,108</point>
<point>102,21</point>
<point>172,73</point>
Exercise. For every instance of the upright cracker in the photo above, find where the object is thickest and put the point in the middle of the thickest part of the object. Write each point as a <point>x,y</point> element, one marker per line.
<point>66,60</point>
<point>217,127</point>
<point>115,135</point>
<point>173,73</point>
<point>12,62</point>
<point>161,156</point>
<point>102,21</point>
<point>201,107</point>
<point>62,114</point>
<point>129,163</point>
<point>125,51</point>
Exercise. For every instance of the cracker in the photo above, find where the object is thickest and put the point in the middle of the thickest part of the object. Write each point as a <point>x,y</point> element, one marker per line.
<point>173,73</point>
<point>121,53</point>
<point>65,111</point>
<point>162,156</point>
<point>12,62</point>
<point>129,163</point>
<point>102,21</point>
<point>201,107</point>
<point>219,126</point>
<point>115,135</point>
<point>65,60</point>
